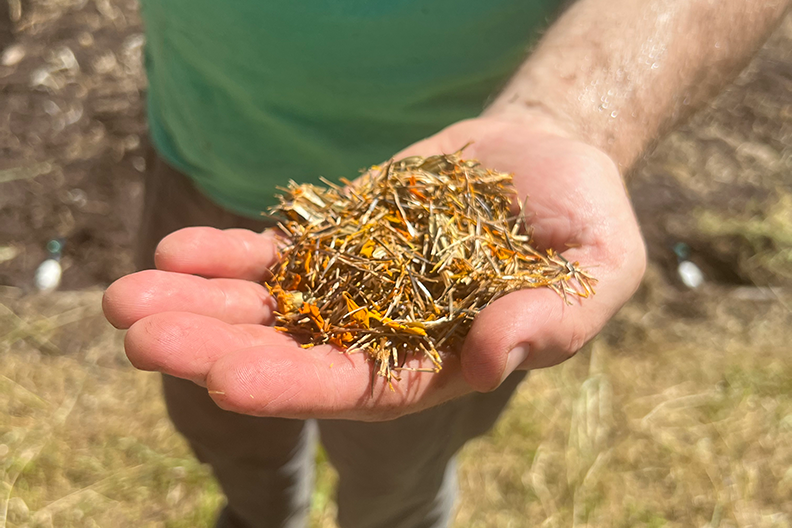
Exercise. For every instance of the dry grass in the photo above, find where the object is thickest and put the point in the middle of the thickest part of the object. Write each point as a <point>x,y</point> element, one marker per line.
<point>663,421</point>
<point>690,424</point>
<point>84,440</point>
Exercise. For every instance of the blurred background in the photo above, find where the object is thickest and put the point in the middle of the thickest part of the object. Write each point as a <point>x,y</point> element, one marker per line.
<point>678,415</point>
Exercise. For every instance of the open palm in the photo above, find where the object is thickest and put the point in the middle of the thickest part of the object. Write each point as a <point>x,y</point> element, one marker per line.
<point>204,316</point>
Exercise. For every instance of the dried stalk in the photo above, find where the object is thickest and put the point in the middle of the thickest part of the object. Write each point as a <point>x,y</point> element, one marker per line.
<point>401,261</point>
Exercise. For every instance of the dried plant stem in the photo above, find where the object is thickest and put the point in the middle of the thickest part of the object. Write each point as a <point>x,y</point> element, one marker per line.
<point>401,261</point>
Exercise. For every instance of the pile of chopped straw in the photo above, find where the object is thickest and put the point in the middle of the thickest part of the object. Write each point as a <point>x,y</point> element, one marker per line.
<point>401,261</point>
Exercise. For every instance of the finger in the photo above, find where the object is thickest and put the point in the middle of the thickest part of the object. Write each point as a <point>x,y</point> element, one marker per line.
<point>530,329</point>
<point>322,382</point>
<point>138,295</point>
<point>210,252</point>
<point>186,345</point>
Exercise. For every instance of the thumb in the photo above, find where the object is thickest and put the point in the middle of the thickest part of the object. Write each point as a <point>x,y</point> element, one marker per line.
<point>535,328</point>
<point>526,329</point>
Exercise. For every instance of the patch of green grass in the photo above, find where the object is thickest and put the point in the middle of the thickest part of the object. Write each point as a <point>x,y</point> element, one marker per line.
<point>323,508</point>
<point>636,515</point>
<point>767,230</point>
<point>773,380</point>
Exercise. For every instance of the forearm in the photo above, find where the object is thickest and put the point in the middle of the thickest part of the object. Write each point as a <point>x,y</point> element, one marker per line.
<point>620,73</point>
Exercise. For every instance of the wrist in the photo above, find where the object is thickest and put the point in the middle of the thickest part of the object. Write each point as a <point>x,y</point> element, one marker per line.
<point>544,94</point>
<point>536,115</point>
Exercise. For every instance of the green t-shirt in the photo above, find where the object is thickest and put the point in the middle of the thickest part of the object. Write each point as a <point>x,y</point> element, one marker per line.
<point>247,94</point>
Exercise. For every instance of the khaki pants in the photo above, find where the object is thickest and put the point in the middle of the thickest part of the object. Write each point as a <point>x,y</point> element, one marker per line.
<point>396,474</point>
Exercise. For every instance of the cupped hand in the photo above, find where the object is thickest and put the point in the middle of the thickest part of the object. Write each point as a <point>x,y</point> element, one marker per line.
<point>204,316</point>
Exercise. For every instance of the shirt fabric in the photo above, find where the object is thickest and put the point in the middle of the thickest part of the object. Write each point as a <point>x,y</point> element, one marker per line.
<point>245,95</point>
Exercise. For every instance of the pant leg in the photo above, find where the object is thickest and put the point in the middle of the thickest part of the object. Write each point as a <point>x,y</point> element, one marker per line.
<point>171,202</point>
<point>402,473</point>
<point>264,465</point>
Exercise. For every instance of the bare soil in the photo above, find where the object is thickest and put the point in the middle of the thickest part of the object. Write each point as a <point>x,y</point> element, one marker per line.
<point>71,140</point>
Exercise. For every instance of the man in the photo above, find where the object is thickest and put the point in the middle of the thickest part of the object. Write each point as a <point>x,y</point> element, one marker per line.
<point>245,95</point>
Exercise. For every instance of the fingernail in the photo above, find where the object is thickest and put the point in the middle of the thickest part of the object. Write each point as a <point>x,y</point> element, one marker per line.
<point>517,357</point>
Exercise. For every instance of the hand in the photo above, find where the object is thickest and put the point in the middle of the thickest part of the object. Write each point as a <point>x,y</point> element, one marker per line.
<point>203,315</point>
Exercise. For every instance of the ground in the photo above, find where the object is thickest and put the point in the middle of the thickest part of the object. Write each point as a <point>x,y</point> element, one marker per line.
<point>679,414</point>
